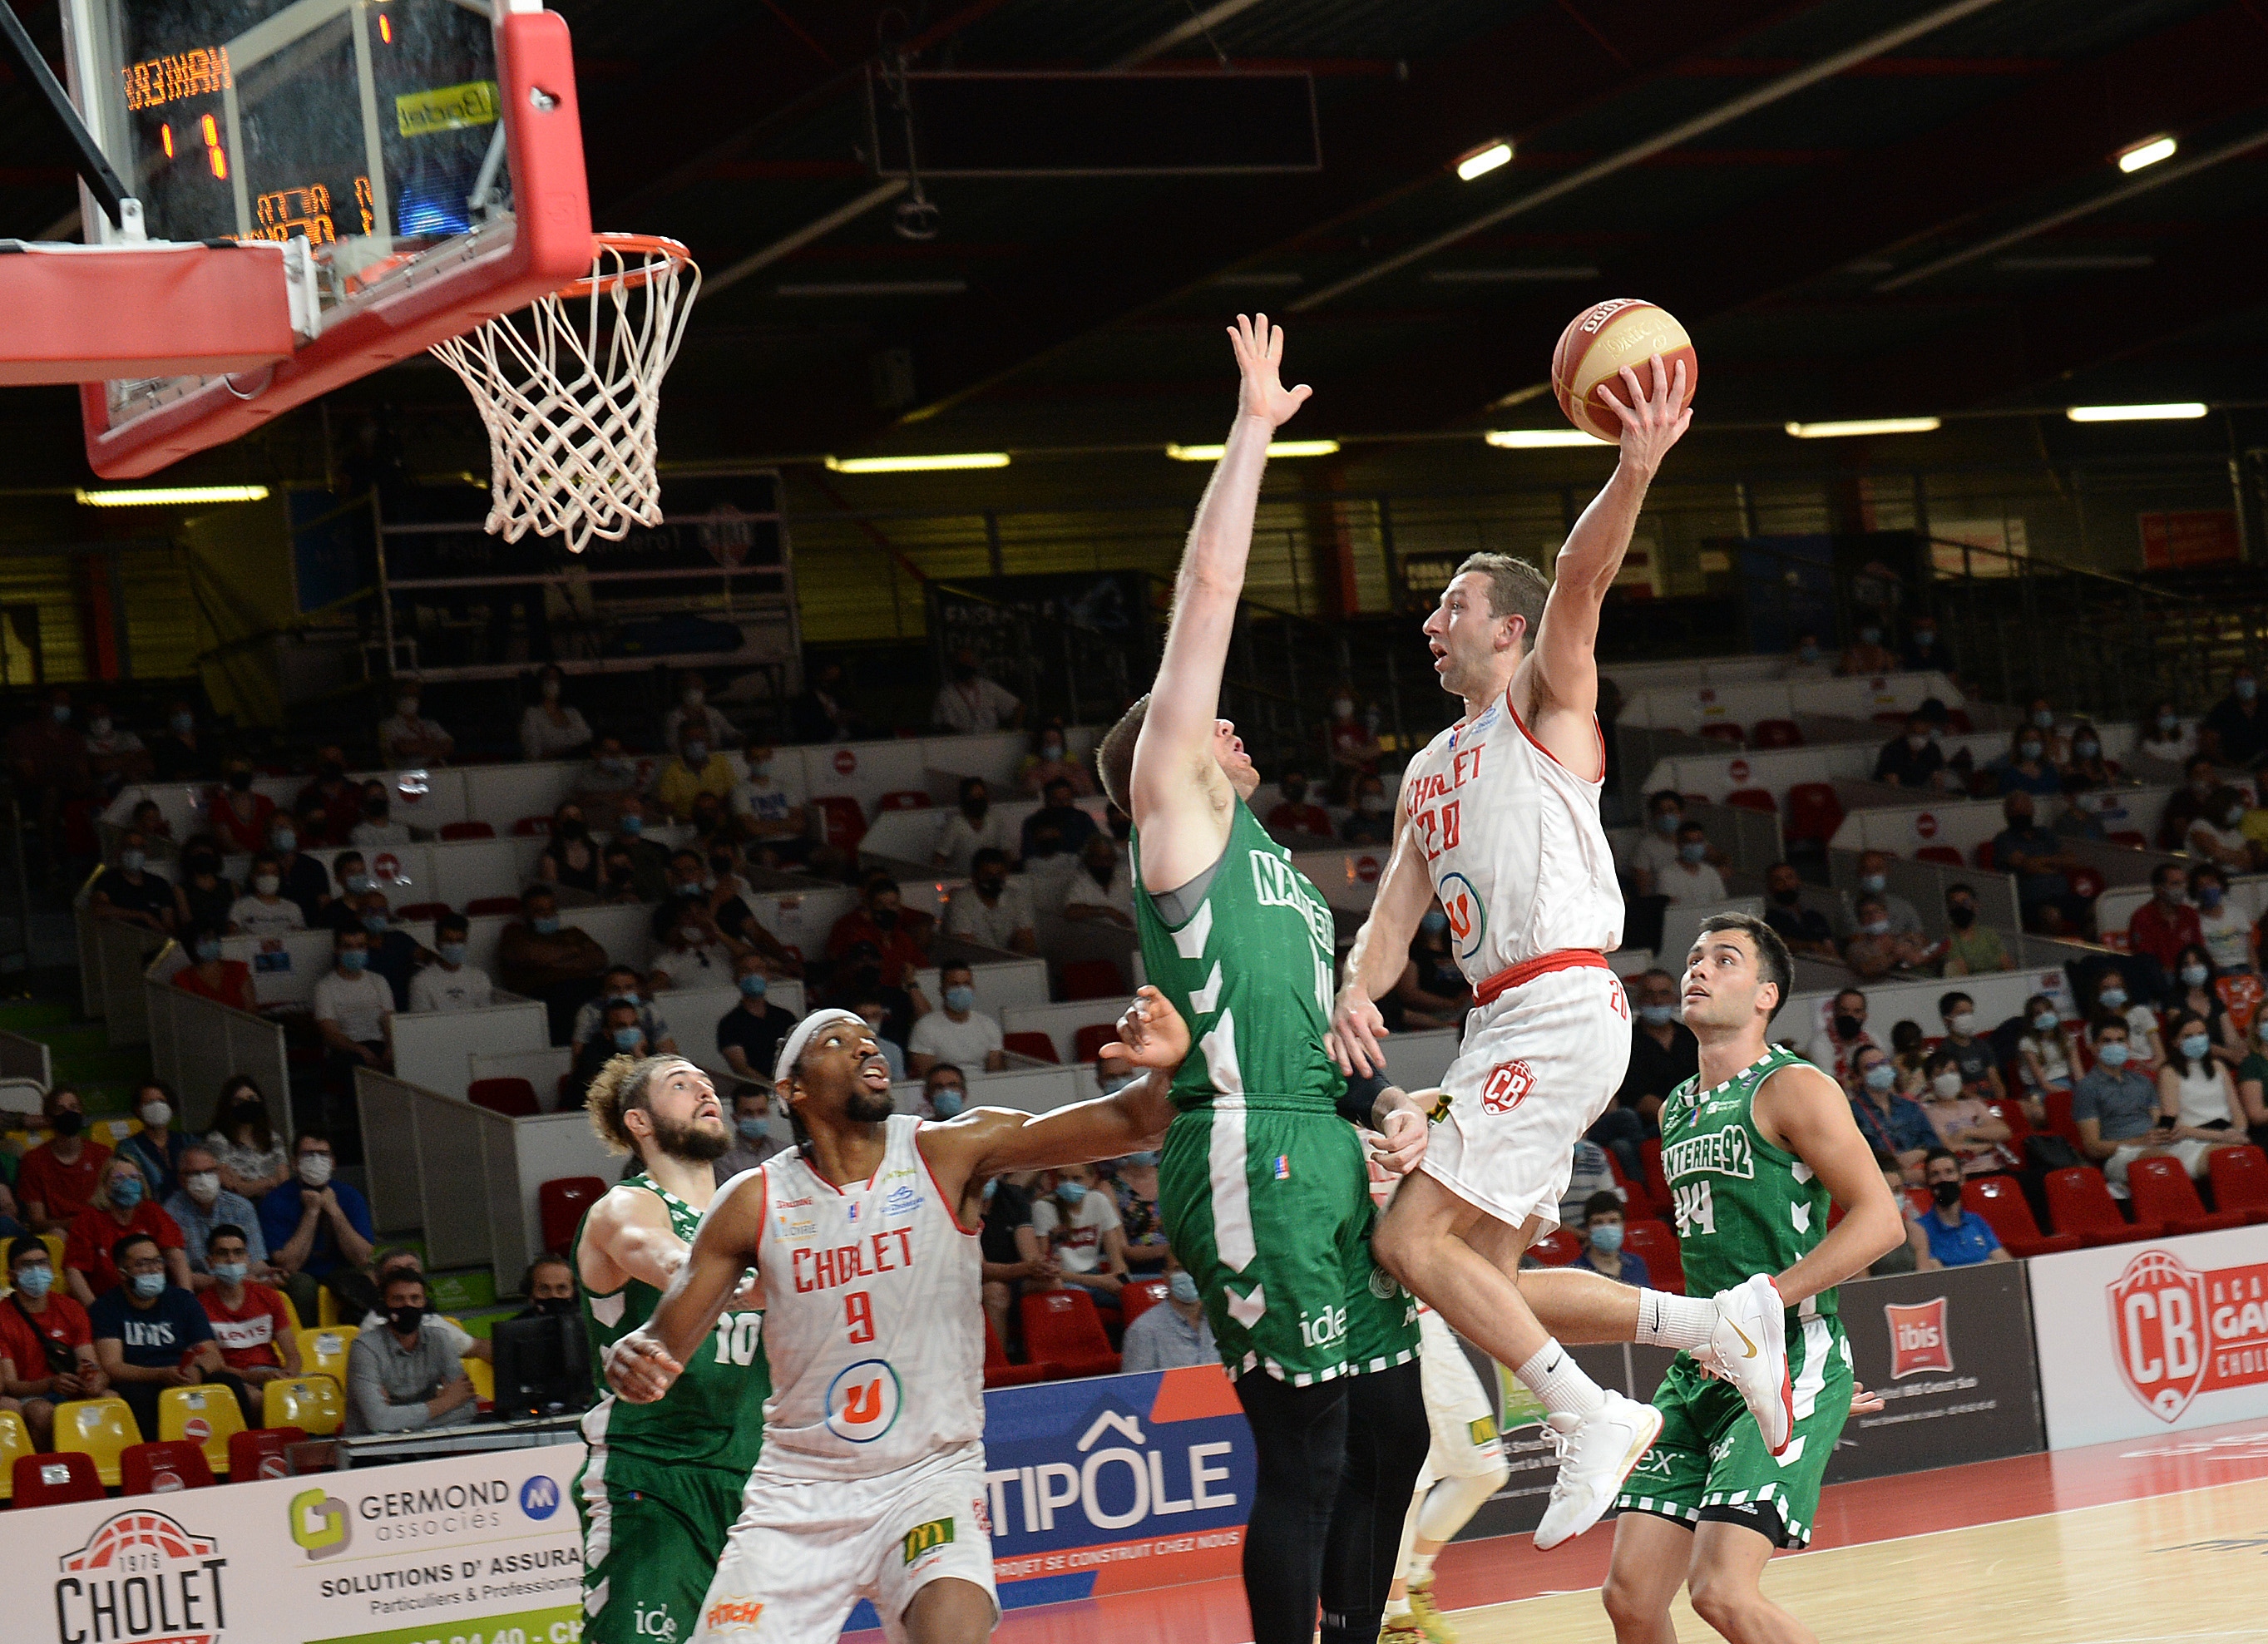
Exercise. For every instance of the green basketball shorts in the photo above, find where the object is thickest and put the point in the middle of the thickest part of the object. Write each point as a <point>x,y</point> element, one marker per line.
<point>652,1537</point>
<point>1267,1202</point>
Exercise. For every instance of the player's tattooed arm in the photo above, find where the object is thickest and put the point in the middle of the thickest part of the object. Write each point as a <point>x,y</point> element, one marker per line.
<point>643,1365</point>
<point>1802,1109</point>
<point>1380,950</point>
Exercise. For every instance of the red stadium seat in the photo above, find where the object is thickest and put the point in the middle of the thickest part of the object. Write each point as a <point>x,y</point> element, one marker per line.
<point>466,830</point>
<point>1636,1194</point>
<point>999,1373</point>
<point>1031,1043</point>
<point>1558,1248</point>
<point>1654,1244</point>
<point>1813,812</point>
<point>1088,1043</point>
<point>1063,1330</point>
<point>514,1098</point>
<point>1981,858</point>
<point>168,1465</point>
<point>2133,838</point>
<point>421,910</point>
<point>1895,719</point>
<point>561,1203</point>
<point>1657,1185</point>
<point>45,1479</point>
<point>1776,733</point>
<point>2085,883</point>
<point>903,799</point>
<point>1918,1200</point>
<point>2011,1114</point>
<point>2060,1122</point>
<point>2163,1192</point>
<point>2239,1180</point>
<point>1092,978</point>
<point>2080,1202</point>
<point>1720,732</point>
<point>532,827</point>
<point>1138,1296</point>
<point>1754,799</point>
<point>1943,856</point>
<point>1957,720</point>
<point>482,907</point>
<point>842,824</point>
<point>2001,1203</point>
<point>262,1452</point>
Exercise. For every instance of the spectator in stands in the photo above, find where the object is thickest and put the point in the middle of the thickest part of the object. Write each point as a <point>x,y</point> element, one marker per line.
<point>1875,881</point>
<point>305,880</point>
<point>2191,990</point>
<point>1922,652</point>
<point>1961,1115</point>
<point>993,910</point>
<point>823,713</point>
<point>394,954</point>
<point>1806,930</point>
<point>354,1008</point>
<point>1957,1237</point>
<point>209,976</point>
<point>1907,1052</point>
<point>1588,1173</point>
<point>972,826</point>
<point>1663,1055</point>
<point>2235,732</point>
<point>157,1147</point>
<point>451,983</point>
<point>334,794</point>
<point>770,808</point>
<point>710,821</point>
<point>618,876</point>
<point>1371,821</point>
<point>900,936</point>
<point>2041,864</point>
<point>571,858</point>
<point>1078,1222</point>
<point>1049,761</point>
<point>2026,767</point>
<point>405,1378</point>
<point>2111,993</point>
<point>649,858</point>
<point>1133,1187</point>
<point>1890,1123</point>
<point>266,911</point>
<point>537,957</point>
<point>2115,1105</point>
<point>1171,1336</point>
<point>377,830</point>
<point>1972,948</point>
<point>1431,991</point>
<point>407,741</point>
<point>1831,1048</point>
<point>179,752</point>
<point>2218,834</point>
<point>549,1284</point>
<point>1656,856</point>
<point>122,1204</point>
<point>318,1233</point>
<point>2047,1053</point>
<point>253,1162</point>
<point>1102,888</point>
<point>622,985</point>
<point>1351,741</point>
<point>252,1325</point>
<point>752,1141</point>
<point>149,820</point>
<point>200,1205</point>
<point>1058,828</point>
<point>239,816</point>
<point>47,1344</point>
<point>749,1034</point>
<point>2252,1082</point>
<point>968,702</point>
<point>2088,771</point>
<point>1868,655</point>
<point>552,728</point>
<point>203,895</point>
<point>2229,939</point>
<point>2188,803</point>
<point>2197,1106</point>
<point>619,1034</point>
<point>350,877</point>
<point>1013,1253</point>
<point>2166,746</point>
<point>402,1260</point>
<point>47,757</point>
<point>692,956</point>
<point>1874,950</point>
<point>606,784</point>
<point>1912,759</point>
<point>1692,882</point>
<point>1602,1243</point>
<point>150,1335</point>
<point>945,1092</point>
<point>1297,813</point>
<point>875,1006</point>
<point>1973,1057</point>
<point>60,1177</point>
<point>957,1031</point>
<point>126,895</point>
<point>696,712</point>
<point>696,769</point>
<point>1806,660</point>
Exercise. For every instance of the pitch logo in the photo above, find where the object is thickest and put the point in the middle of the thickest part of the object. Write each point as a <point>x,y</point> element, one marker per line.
<point>142,1579</point>
<point>863,1401</point>
<point>1506,1086</point>
<point>1919,1338</point>
<point>319,1524</point>
<point>734,1615</point>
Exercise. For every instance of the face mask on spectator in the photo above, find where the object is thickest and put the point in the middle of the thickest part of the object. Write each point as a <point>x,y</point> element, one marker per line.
<point>690,936</point>
<point>1694,850</point>
<point>1070,1192</point>
<point>2209,895</point>
<point>2113,1055</point>
<point>405,1320</point>
<point>286,841</point>
<point>626,1039</point>
<point>157,1115</point>
<point>208,950</point>
<point>1434,919</point>
<point>1051,750</point>
<point>1947,1084</point>
<point>1881,1076</point>
<point>2231,817</point>
<point>149,1286</point>
<point>696,753</point>
<point>1607,1236</point>
<point>229,1271</point>
<point>183,723</point>
<point>2193,975</point>
<point>353,959</point>
<point>266,884</point>
<point>131,861</point>
<point>2087,747</point>
<point>36,1280</point>
<point>694,696</point>
<point>1183,1288</point>
<point>1961,914</point>
<point>374,924</point>
<point>1807,652</point>
<point>203,863</point>
<point>1924,637</point>
<point>1657,1015</point>
<point>2028,748</point>
<point>1342,708</point>
<point>1670,821</point>
<point>957,1000</point>
<point>2043,719</point>
<point>315,1169</point>
<point>753,987</point>
<point>2246,689</point>
<point>752,1129</point>
<point>241,781</point>
<point>451,952</point>
<point>1962,1024</point>
<point>68,1123</point>
<point>2168,724</point>
<point>632,823</point>
<point>947,1100</point>
<point>126,1192</point>
<point>545,924</point>
<point>360,885</point>
<point>1875,928</point>
<point>551,690</point>
<point>2194,1045</point>
<point>1848,1026</point>
<point>1874,884</point>
<point>2112,998</point>
<point>1947,1194</point>
<point>203,1185</point>
<point>2045,1022</point>
<point>1870,636</point>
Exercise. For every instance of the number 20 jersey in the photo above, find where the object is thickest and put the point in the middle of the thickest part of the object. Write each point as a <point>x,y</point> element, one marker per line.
<point>873,1317</point>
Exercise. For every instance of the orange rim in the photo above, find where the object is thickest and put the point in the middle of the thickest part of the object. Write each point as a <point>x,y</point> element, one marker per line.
<point>632,249</point>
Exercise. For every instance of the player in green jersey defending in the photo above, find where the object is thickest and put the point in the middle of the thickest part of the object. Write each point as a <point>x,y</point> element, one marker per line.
<point>1757,1150</point>
<point>1262,1184</point>
<point>661,1487</point>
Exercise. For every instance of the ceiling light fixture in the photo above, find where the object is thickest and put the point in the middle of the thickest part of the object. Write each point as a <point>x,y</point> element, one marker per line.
<point>1482,161</point>
<point>1865,425</point>
<point>1276,448</point>
<point>2174,411</point>
<point>2150,153</point>
<point>160,496</point>
<point>1538,438</point>
<point>919,464</point>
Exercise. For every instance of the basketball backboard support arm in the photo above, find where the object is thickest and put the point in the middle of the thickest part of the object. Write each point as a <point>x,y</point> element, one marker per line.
<point>93,167</point>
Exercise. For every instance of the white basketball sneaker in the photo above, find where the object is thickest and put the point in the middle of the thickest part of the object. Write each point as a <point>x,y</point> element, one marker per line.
<point>1749,1348</point>
<point>1596,1453</point>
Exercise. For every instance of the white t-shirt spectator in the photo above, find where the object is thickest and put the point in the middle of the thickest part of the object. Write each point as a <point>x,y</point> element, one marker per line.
<point>964,1043</point>
<point>958,841</point>
<point>1080,889</point>
<point>369,833</point>
<point>1691,883</point>
<point>966,916</point>
<point>1075,1238</point>
<point>1657,854</point>
<point>708,966</point>
<point>257,918</point>
<point>980,705</point>
<point>436,988</point>
<point>719,729</point>
<point>770,800</point>
<point>359,1004</point>
<point>2227,937</point>
<point>1832,1058</point>
<point>541,739</point>
<point>398,731</point>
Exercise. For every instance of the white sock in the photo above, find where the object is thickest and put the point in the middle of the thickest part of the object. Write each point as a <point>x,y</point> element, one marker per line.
<point>1675,1321</point>
<point>1396,1607</point>
<point>1554,1377</point>
<point>1420,1570</point>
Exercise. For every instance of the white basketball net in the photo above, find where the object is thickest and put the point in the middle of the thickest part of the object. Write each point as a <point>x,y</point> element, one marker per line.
<point>570,391</point>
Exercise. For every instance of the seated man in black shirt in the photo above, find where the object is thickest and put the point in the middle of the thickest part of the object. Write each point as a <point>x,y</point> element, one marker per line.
<point>2235,732</point>
<point>1806,930</point>
<point>749,1034</point>
<point>1058,828</point>
<point>128,895</point>
<point>1011,1250</point>
<point>352,876</point>
<point>1912,758</point>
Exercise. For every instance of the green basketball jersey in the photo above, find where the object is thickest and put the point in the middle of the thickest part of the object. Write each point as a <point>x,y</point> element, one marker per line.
<point>713,1416</point>
<point>1250,972</point>
<point>1743,1207</point>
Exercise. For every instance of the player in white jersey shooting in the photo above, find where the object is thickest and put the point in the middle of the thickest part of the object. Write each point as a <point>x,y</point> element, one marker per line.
<point>1499,818</point>
<point>872,1481</point>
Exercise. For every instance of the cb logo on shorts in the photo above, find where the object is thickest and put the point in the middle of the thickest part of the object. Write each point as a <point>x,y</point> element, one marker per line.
<point>1507,1087</point>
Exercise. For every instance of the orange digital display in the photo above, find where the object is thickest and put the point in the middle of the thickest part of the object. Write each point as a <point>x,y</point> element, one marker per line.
<point>176,78</point>
<point>304,211</point>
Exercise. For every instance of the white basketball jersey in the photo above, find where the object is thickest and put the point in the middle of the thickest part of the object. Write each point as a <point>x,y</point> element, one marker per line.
<point>1512,841</point>
<point>874,1318</point>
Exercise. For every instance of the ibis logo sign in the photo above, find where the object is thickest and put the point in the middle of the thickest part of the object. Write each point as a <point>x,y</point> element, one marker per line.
<point>142,1578</point>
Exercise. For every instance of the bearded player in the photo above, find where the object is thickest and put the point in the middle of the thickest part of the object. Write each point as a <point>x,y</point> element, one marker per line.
<point>661,1484</point>
<point>1499,817</point>
<point>872,1482</point>
<point>1261,1185</point>
<point>1757,1149</point>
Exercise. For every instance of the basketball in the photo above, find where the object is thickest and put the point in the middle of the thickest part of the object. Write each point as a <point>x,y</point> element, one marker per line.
<point>1599,342</point>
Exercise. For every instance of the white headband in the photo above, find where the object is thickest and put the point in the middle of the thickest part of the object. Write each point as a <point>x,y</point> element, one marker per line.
<point>791,1050</point>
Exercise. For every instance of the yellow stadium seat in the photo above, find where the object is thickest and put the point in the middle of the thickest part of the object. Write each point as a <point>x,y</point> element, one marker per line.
<point>324,1350</point>
<point>205,1416</point>
<point>55,1244</point>
<point>479,1372</point>
<point>316,1404</point>
<point>101,1429</point>
<point>327,1307</point>
<point>15,1441</point>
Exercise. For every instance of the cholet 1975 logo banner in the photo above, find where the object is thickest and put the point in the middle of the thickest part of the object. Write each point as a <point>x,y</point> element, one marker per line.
<point>2180,1333</point>
<point>142,1576</point>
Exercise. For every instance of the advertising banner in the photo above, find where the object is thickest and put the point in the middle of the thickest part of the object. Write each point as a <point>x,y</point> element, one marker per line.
<point>2140,1339</point>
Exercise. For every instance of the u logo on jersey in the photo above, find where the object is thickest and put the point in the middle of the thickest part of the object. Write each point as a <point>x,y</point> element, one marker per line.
<point>863,1401</point>
<point>1468,918</point>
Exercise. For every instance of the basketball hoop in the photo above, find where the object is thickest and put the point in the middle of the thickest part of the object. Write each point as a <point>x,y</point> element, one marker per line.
<point>570,391</point>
